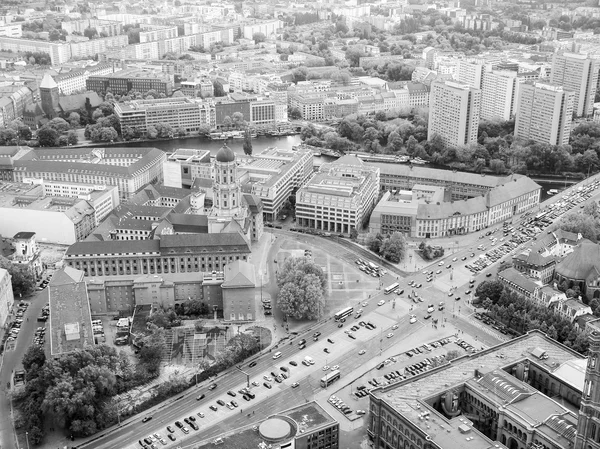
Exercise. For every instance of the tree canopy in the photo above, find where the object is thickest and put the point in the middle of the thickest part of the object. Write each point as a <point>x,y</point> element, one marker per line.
<point>301,287</point>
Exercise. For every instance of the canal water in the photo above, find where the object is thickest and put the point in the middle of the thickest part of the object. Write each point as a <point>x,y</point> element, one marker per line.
<point>261,143</point>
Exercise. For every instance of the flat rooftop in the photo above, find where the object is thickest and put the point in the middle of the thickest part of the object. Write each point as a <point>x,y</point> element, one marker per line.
<point>408,397</point>
<point>271,164</point>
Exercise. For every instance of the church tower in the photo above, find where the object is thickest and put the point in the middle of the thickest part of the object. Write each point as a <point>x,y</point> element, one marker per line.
<point>49,96</point>
<point>588,423</point>
<point>226,187</point>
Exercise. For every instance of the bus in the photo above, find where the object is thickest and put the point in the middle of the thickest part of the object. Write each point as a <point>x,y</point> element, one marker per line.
<point>330,378</point>
<point>392,288</point>
<point>343,313</point>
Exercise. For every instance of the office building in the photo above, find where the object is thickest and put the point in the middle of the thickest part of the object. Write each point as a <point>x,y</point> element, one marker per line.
<point>520,394</point>
<point>577,73</point>
<point>179,253</point>
<point>130,169</point>
<point>7,298</point>
<point>454,112</point>
<point>339,197</point>
<point>55,217</point>
<point>70,322</point>
<point>544,113</point>
<point>179,112</point>
<point>430,212</point>
<point>274,174</point>
<point>124,81</point>
<point>499,95</point>
<point>306,426</point>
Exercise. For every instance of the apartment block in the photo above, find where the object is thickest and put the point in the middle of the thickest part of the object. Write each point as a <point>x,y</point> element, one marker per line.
<point>544,113</point>
<point>579,74</point>
<point>267,28</point>
<point>151,33</point>
<point>471,73</point>
<point>454,112</point>
<point>75,80</point>
<point>110,27</point>
<point>11,30</point>
<point>499,95</point>
<point>198,88</point>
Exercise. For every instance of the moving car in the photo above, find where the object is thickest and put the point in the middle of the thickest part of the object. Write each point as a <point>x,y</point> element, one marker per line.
<point>380,303</point>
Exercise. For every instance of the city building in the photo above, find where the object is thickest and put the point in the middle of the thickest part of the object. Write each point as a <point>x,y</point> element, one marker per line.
<point>544,113</point>
<point>54,217</point>
<point>109,27</point>
<point>306,426</point>
<point>63,51</point>
<point>239,292</point>
<point>535,265</point>
<point>130,169</point>
<point>27,253</point>
<point>14,101</point>
<point>11,30</point>
<point>499,95</point>
<point>70,317</point>
<point>471,73</point>
<point>268,28</point>
<point>198,88</point>
<point>339,197</point>
<point>274,174</point>
<point>178,112</point>
<point>577,73</point>
<point>581,269</point>
<point>520,394</point>
<point>454,112</point>
<point>124,81</point>
<point>180,253</point>
<point>184,166</point>
<point>430,212</point>
<point>151,33</point>
<point>75,80</point>
<point>7,298</point>
<point>586,435</point>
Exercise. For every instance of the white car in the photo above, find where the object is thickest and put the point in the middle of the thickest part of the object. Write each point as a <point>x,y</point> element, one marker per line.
<point>326,368</point>
<point>413,319</point>
<point>382,302</point>
<point>365,304</point>
<point>334,367</point>
<point>268,379</point>
<point>394,327</point>
<point>454,260</point>
<point>430,308</point>
<point>441,264</point>
<point>361,352</point>
<point>390,335</point>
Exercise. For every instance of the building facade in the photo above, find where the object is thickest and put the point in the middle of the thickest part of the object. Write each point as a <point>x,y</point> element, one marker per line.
<point>339,198</point>
<point>7,298</point>
<point>577,73</point>
<point>454,113</point>
<point>124,81</point>
<point>499,95</point>
<point>544,113</point>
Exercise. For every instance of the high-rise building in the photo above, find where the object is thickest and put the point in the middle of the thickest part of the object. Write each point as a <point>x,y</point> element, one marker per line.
<point>454,112</point>
<point>7,298</point>
<point>578,73</point>
<point>471,73</point>
<point>544,113</point>
<point>499,95</point>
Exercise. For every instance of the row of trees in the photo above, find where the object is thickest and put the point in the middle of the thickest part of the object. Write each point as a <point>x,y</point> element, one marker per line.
<point>584,221</point>
<point>391,247</point>
<point>523,315</point>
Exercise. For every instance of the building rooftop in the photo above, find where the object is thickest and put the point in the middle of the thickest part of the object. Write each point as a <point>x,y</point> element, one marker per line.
<point>70,318</point>
<point>583,262</point>
<point>239,274</point>
<point>270,165</point>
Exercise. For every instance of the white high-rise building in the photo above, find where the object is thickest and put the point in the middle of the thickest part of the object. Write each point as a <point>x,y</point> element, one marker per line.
<point>454,112</point>
<point>499,95</point>
<point>471,73</point>
<point>578,73</point>
<point>544,113</point>
<point>7,297</point>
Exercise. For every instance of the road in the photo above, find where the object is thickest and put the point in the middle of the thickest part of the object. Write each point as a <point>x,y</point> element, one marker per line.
<point>12,362</point>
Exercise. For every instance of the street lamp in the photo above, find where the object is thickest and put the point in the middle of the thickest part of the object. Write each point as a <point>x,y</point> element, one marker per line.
<point>27,439</point>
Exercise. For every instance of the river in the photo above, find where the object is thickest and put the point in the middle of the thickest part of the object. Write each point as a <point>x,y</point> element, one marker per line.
<point>261,143</point>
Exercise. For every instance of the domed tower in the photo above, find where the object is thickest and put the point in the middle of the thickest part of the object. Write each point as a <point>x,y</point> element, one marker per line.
<point>588,432</point>
<point>226,203</point>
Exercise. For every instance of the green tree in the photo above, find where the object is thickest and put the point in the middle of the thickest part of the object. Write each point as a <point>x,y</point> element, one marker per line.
<point>59,124</point>
<point>74,119</point>
<point>294,113</point>
<point>34,358</point>
<point>151,132</point>
<point>393,248</point>
<point>489,289</point>
<point>585,224</point>
<point>301,287</point>
<point>259,37</point>
<point>247,142</point>
<point>72,138</point>
<point>47,137</point>
<point>373,242</point>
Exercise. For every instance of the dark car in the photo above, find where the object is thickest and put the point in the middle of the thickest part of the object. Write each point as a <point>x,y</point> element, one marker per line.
<point>352,336</point>
<point>268,385</point>
<point>252,364</point>
<point>293,363</point>
<point>329,340</point>
<point>179,425</point>
<point>213,408</point>
<point>221,403</point>
<point>212,386</point>
<point>316,334</point>
<point>202,396</point>
<point>488,275</point>
<point>284,369</point>
<point>381,365</point>
<point>171,437</point>
<point>170,429</point>
<point>326,350</point>
<point>231,393</point>
<point>194,426</point>
<point>340,324</point>
<point>146,418</point>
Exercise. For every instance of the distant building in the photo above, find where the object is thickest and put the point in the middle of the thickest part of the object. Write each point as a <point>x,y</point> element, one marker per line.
<point>471,73</point>
<point>544,113</point>
<point>499,95</point>
<point>7,298</point>
<point>124,81</point>
<point>70,317</point>
<point>454,113</point>
<point>267,28</point>
<point>577,73</point>
<point>200,88</point>
<point>14,29</point>
<point>130,169</point>
<point>339,197</point>
<point>27,253</point>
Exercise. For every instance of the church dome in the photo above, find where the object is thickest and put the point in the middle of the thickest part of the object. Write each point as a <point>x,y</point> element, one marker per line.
<point>225,154</point>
